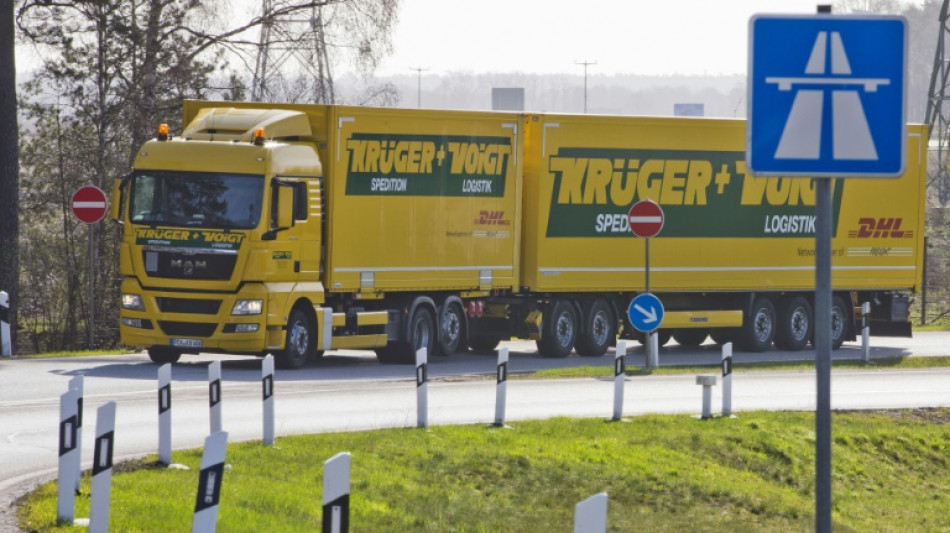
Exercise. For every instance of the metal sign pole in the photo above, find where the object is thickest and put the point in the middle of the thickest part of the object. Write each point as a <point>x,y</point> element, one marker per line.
<point>92,294</point>
<point>823,355</point>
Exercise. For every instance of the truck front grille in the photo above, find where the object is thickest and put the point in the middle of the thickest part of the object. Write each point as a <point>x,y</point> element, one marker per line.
<point>187,305</point>
<point>186,329</point>
<point>180,265</point>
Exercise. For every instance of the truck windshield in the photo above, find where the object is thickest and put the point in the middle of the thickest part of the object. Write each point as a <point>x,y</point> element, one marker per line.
<point>197,199</point>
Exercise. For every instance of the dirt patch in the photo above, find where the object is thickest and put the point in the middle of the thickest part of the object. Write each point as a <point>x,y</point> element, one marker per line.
<point>932,415</point>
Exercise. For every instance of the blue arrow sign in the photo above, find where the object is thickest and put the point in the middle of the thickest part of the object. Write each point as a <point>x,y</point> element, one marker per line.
<point>645,312</point>
<point>827,95</point>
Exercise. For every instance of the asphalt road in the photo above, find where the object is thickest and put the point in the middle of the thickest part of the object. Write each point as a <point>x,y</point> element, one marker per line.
<point>350,390</point>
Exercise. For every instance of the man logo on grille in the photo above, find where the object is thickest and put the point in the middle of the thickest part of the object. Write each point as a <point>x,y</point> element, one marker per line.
<point>851,136</point>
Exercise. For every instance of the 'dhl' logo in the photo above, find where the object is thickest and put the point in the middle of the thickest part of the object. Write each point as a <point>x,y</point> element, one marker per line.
<point>880,228</point>
<point>492,218</point>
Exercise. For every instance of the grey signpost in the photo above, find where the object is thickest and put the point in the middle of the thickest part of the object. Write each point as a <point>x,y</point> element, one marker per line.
<point>800,69</point>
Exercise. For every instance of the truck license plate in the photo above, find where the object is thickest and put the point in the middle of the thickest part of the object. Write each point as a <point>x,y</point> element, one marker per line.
<point>187,343</point>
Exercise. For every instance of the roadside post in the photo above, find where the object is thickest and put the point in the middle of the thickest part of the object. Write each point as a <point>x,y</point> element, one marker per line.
<point>6,346</point>
<point>66,484</point>
<point>620,374</point>
<point>501,387</point>
<point>89,204</point>
<point>76,384</point>
<point>646,220</point>
<point>336,494</point>
<point>214,395</point>
<point>708,382</point>
<point>205,518</point>
<point>267,385</point>
<point>866,331</point>
<point>102,469</point>
<point>165,414</point>
<point>590,515</point>
<point>727,379</point>
<point>859,64</point>
<point>422,388</point>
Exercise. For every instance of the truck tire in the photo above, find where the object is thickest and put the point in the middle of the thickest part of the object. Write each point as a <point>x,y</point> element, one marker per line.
<point>163,354</point>
<point>757,333</point>
<point>690,337</point>
<point>600,329</point>
<point>795,323</point>
<point>301,342</point>
<point>421,334</point>
<point>451,328</point>
<point>839,321</point>
<point>558,330</point>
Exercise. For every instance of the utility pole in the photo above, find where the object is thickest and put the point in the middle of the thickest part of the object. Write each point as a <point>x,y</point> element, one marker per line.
<point>586,64</point>
<point>419,71</point>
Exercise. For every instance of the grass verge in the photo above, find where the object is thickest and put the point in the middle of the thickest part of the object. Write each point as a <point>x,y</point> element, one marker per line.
<point>662,473</point>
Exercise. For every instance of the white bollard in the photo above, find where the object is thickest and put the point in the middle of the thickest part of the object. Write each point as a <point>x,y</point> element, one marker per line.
<point>866,330</point>
<point>590,515</point>
<point>214,395</point>
<point>267,386</point>
<point>6,345</point>
<point>205,519</point>
<point>102,469</point>
<point>66,484</point>
<point>422,388</point>
<point>165,414</point>
<point>727,379</point>
<point>336,494</point>
<point>707,382</point>
<point>620,374</point>
<point>76,384</point>
<point>501,389</point>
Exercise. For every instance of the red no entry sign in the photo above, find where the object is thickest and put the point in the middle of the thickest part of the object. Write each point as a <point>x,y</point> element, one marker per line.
<point>646,218</point>
<point>89,204</point>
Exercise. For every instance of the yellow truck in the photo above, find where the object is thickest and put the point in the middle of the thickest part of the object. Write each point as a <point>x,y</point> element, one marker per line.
<point>295,229</point>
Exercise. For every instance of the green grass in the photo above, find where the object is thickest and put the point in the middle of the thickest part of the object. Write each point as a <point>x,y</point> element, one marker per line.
<point>76,353</point>
<point>662,473</point>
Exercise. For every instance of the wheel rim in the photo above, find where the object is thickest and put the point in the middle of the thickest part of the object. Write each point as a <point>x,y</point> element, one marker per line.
<point>763,325</point>
<point>837,323</point>
<point>564,330</point>
<point>451,326</point>
<point>299,339</point>
<point>600,328</point>
<point>799,324</point>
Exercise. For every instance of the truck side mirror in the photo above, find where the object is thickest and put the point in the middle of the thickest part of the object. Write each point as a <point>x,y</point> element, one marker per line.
<point>285,207</point>
<point>118,194</point>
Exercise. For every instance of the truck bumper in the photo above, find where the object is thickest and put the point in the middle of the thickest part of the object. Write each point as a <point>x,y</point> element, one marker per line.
<point>196,322</point>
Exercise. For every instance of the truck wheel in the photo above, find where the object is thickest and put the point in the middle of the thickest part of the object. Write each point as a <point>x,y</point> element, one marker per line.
<point>794,323</point>
<point>451,328</point>
<point>558,330</point>
<point>601,328</point>
<point>301,341</point>
<point>690,337</point>
<point>421,335</point>
<point>163,354</point>
<point>839,321</point>
<point>757,333</point>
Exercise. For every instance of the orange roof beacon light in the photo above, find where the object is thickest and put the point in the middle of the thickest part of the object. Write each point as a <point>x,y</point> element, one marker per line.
<point>163,132</point>
<point>259,136</point>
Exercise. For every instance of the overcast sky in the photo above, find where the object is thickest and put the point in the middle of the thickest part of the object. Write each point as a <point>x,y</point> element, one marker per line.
<point>548,36</point>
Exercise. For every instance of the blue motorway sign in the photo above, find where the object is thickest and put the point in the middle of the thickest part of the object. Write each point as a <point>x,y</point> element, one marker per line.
<point>827,95</point>
<point>645,312</point>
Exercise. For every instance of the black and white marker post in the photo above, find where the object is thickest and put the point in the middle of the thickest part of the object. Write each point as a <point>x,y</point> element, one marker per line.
<point>102,469</point>
<point>422,388</point>
<point>620,374</point>
<point>501,387</point>
<point>336,494</point>
<point>866,330</point>
<point>590,516</point>
<point>76,384</point>
<point>209,483</point>
<point>6,346</point>
<point>267,386</point>
<point>165,414</point>
<point>214,395</point>
<point>66,485</point>
<point>727,379</point>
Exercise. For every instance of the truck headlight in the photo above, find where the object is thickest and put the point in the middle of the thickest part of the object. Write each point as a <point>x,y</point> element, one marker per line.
<point>133,302</point>
<point>247,307</point>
